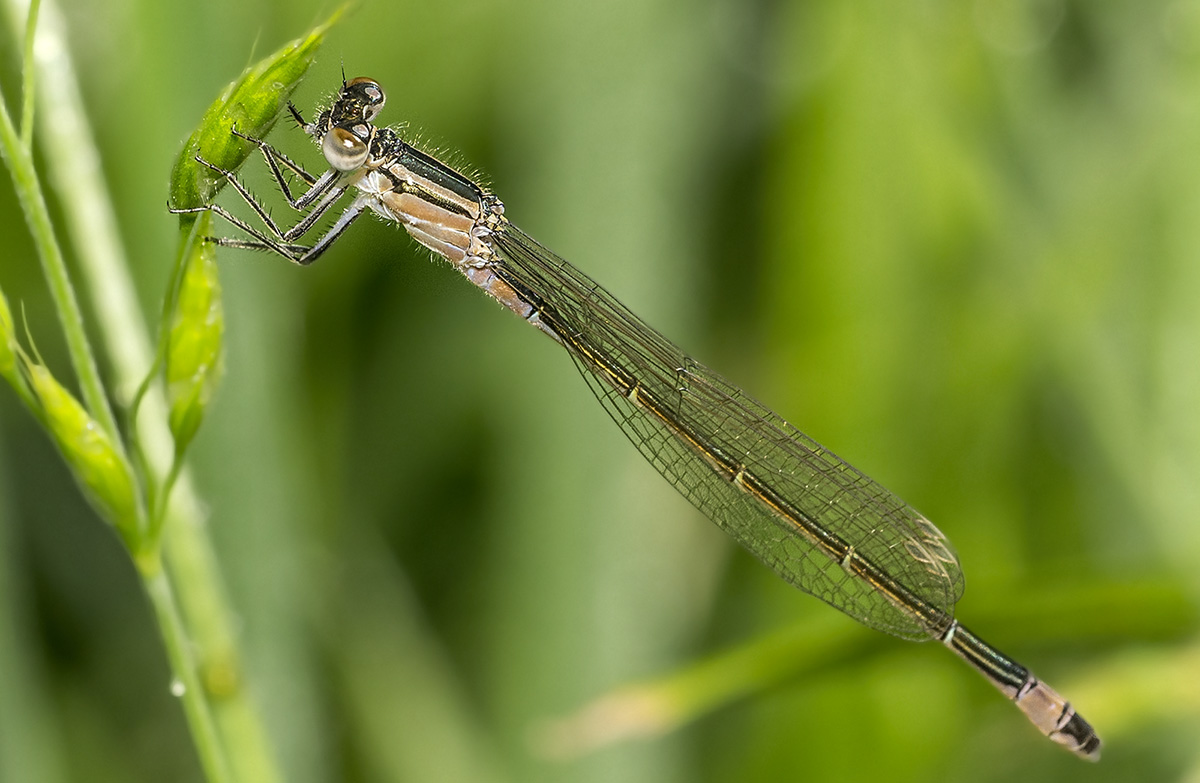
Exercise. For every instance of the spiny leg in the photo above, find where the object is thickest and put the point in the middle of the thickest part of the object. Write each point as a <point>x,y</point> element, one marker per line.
<point>263,242</point>
<point>281,244</point>
<point>274,157</point>
<point>299,254</point>
<point>326,240</point>
<point>294,251</point>
<point>304,224</point>
<point>297,117</point>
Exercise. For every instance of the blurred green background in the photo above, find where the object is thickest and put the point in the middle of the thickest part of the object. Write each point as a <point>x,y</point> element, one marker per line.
<point>957,242</point>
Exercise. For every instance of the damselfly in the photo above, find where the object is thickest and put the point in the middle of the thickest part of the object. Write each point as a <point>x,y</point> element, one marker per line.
<point>817,521</point>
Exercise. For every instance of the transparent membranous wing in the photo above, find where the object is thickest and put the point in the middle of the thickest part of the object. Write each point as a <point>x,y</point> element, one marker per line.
<point>817,521</point>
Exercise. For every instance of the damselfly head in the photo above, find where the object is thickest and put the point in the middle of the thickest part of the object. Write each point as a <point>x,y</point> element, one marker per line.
<point>345,130</point>
<point>360,100</point>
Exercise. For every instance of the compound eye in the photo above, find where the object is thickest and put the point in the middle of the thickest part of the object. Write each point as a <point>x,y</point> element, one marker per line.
<point>344,150</point>
<point>371,93</point>
<point>375,98</point>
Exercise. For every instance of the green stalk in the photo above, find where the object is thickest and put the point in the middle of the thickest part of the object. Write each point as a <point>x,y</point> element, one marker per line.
<point>210,746</point>
<point>33,204</point>
<point>27,101</point>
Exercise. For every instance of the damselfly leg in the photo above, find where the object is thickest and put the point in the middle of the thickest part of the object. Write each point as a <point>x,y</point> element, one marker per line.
<point>280,241</point>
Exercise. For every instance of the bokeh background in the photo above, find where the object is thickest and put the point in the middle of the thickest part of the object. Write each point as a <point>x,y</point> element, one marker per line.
<point>956,241</point>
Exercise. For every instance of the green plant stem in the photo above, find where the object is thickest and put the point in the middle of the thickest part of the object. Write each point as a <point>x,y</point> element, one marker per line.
<point>170,621</point>
<point>33,204</point>
<point>27,101</point>
<point>175,636</point>
<point>192,565</point>
<point>159,491</point>
<point>73,166</point>
<point>203,614</point>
